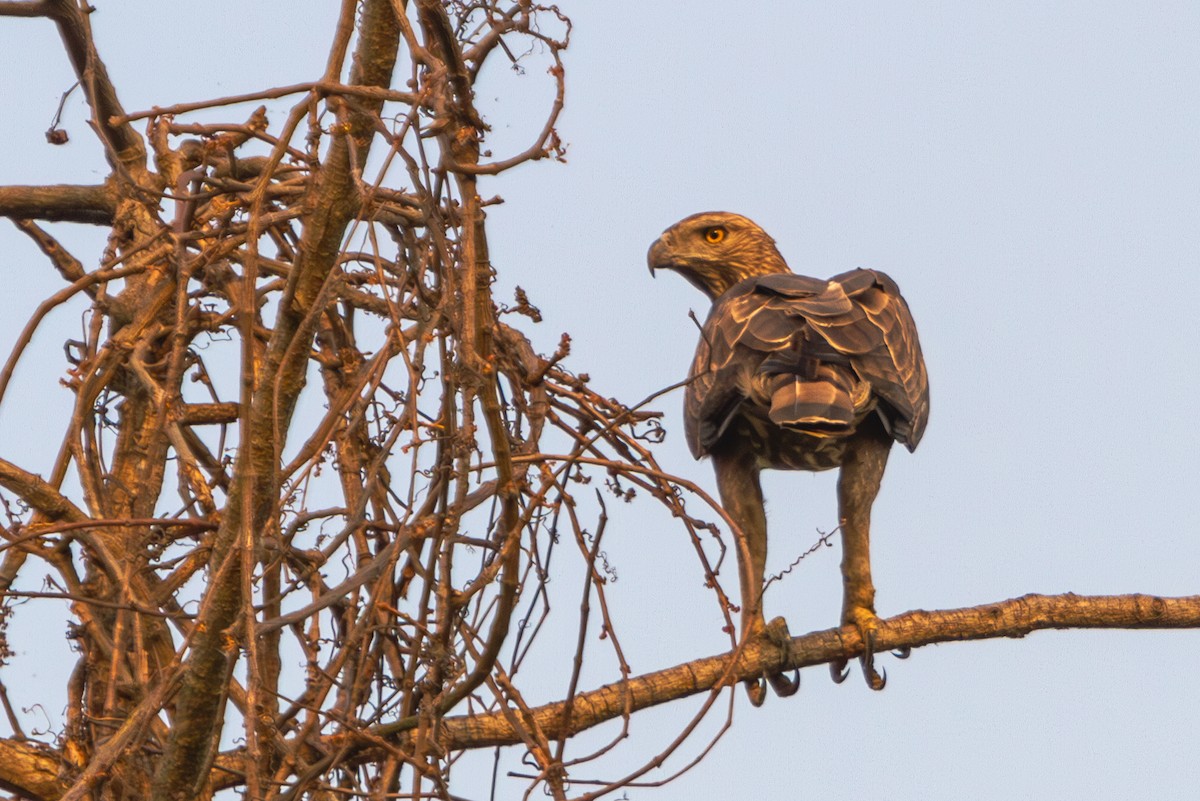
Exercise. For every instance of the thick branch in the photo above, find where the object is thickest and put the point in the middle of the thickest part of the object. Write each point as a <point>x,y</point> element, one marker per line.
<point>38,494</point>
<point>59,203</point>
<point>198,414</point>
<point>31,771</point>
<point>25,9</point>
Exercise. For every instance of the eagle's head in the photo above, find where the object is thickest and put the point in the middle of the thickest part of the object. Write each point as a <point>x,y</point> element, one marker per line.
<point>715,250</point>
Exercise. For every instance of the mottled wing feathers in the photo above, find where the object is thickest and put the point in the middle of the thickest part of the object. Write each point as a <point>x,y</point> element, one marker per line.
<point>897,371</point>
<point>810,354</point>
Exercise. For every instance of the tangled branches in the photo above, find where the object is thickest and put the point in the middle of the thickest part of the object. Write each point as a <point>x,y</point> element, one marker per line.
<point>304,432</point>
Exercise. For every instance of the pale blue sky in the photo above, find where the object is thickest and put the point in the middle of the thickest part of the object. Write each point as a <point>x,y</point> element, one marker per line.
<point>1028,172</point>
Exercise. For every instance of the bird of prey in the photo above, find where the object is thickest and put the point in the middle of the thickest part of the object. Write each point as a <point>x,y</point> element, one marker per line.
<point>795,373</point>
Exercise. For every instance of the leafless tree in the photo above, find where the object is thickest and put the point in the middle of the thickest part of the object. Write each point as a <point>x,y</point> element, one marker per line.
<point>380,493</point>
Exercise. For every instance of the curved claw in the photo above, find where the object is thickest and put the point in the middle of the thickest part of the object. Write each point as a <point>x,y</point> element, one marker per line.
<point>902,653</point>
<point>876,681</point>
<point>783,686</point>
<point>756,691</point>
<point>839,671</point>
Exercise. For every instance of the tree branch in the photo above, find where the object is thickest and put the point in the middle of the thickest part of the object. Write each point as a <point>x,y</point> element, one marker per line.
<point>322,87</point>
<point>67,265</point>
<point>1013,618</point>
<point>40,495</point>
<point>40,8</point>
<point>59,203</point>
<point>31,771</point>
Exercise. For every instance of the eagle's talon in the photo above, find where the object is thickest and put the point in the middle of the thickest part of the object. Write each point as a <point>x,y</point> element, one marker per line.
<point>839,670</point>
<point>876,680</point>
<point>902,653</point>
<point>756,691</point>
<point>783,686</point>
<point>774,635</point>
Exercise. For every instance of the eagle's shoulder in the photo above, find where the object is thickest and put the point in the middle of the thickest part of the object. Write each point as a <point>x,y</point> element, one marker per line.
<point>788,285</point>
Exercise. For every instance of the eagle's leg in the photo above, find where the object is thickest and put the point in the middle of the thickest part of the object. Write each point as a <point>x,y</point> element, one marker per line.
<point>741,495</point>
<point>858,484</point>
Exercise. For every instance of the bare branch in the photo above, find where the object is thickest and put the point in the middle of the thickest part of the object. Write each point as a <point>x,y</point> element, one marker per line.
<point>67,265</point>
<point>1014,618</point>
<point>322,88</point>
<point>39,494</point>
<point>59,203</point>
<point>38,8</point>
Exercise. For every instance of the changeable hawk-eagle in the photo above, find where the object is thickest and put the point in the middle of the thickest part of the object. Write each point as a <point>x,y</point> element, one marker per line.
<point>795,373</point>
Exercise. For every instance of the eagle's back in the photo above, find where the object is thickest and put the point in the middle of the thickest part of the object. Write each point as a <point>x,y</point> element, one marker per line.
<point>792,364</point>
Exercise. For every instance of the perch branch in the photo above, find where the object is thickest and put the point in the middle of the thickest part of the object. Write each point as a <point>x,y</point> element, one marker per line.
<point>1013,618</point>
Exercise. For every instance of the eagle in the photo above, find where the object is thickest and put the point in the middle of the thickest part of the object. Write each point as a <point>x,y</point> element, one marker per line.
<point>795,373</point>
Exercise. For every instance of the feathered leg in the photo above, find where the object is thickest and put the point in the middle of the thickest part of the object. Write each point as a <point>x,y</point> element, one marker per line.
<point>858,484</point>
<point>741,495</point>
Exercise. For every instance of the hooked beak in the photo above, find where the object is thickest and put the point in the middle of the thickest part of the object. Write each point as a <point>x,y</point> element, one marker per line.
<point>656,258</point>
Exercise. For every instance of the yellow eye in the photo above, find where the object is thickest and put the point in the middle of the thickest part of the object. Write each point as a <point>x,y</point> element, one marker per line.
<point>714,235</point>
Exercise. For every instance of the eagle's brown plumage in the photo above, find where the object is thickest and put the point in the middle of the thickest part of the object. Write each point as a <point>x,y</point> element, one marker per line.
<point>795,373</point>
